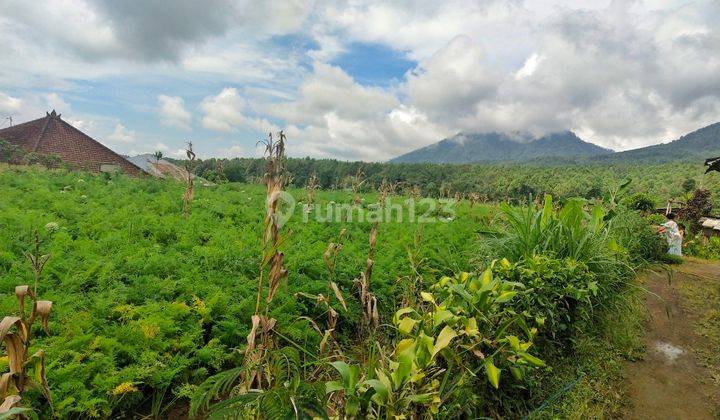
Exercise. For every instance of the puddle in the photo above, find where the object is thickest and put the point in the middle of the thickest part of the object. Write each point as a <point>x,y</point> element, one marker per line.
<point>668,350</point>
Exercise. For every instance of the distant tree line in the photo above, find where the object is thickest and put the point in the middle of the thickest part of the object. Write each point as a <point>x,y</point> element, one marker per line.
<point>516,182</point>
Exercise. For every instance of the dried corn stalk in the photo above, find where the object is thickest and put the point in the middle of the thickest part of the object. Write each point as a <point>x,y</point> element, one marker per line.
<point>388,189</point>
<point>474,198</point>
<point>275,179</point>
<point>25,372</point>
<point>368,300</point>
<point>220,171</point>
<point>328,340</point>
<point>37,260</point>
<point>190,187</point>
<point>415,192</point>
<point>330,259</point>
<point>357,183</point>
<point>312,186</point>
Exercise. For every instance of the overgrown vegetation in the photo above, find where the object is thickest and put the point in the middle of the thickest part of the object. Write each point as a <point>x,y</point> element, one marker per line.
<point>162,314</point>
<point>660,182</point>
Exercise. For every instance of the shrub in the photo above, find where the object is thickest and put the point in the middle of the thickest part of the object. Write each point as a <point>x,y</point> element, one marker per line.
<point>640,202</point>
<point>635,236</point>
<point>698,206</point>
<point>554,290</point>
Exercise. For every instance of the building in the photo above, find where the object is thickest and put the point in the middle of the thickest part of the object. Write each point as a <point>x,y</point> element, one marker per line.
<point>165,169</point>
<point>51,135</point>
<point>710,226</point>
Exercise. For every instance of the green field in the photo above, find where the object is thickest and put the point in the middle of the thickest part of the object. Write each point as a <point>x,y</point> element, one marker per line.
<point>148,304</point>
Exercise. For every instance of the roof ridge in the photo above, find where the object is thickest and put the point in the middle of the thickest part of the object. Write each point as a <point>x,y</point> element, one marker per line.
<point>42,132</point>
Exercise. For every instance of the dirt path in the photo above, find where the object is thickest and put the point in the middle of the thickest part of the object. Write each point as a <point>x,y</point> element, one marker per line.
<point>678,378</point>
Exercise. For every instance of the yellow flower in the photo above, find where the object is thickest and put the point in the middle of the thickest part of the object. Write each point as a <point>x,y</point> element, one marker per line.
<point>124,388</point>
<point>149,330</point>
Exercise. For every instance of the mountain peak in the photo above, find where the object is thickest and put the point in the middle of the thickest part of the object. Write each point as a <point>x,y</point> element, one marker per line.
<point>502,147</point>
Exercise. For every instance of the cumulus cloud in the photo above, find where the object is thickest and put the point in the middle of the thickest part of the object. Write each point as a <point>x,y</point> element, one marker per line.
<point>334,116</point>
<point>451,83</point>
<point>122,135</point>
<point>9,104</point>
<point>173,113</point>
<point>620,73</point>
<point>233,151</point>
<point>147,31</point>
<point>226,112</point>
<point>31,106</point>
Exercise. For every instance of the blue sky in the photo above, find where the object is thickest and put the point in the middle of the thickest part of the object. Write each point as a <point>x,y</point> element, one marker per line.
<point>361,80</point>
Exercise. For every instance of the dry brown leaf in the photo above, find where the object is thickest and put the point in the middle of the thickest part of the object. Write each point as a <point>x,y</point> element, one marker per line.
<point>312,322</point>
<point>21,292</point>
<point>325,340</point>
<point>375,318</point>
<point>268,324</point>
<point>10,321</point>
<point>40,376</point>
<point>253,332</point>
<point>7,385</point>
<point>369,268</point>
<point>277,274</point>
<point>10,402</point>
<point>338,294</point>
<point>41,308</point>
<point>15,352</point>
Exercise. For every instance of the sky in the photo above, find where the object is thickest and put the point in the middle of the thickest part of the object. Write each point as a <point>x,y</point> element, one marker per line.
<point>356,79</point>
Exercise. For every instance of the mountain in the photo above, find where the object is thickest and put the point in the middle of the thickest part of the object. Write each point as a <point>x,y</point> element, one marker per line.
<point>503,147</point>
<point>699,144</point>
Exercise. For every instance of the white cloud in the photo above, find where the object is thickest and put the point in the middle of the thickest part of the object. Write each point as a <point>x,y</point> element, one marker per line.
<point>9,104</point>
<point>233,151</point>
<point>31,106</point>
<point>529,67</point>
<point>336,117</point>
<point>122,135</point>
<point>621,73</point>
<point>225,112</point>
<point>173,113</point>
<point>451,83</point>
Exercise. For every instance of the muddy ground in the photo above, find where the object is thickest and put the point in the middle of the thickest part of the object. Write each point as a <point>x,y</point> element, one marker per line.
<point>679,376</point>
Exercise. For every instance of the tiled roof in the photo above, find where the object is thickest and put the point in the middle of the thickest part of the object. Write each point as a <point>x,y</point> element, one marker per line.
<point>52,135</point>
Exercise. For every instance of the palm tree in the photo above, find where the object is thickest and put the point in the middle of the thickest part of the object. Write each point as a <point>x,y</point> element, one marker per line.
<point>157,155</point>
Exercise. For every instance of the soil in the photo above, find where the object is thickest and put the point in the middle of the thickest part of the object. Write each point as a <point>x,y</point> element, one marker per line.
<point>674,380</point>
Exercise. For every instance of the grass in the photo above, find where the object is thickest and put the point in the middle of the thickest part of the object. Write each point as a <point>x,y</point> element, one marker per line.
<point>591,384</point>
<point>703,296</point>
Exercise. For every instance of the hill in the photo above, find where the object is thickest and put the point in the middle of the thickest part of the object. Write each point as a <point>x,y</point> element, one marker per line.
<point>697,145</point>
<point>560,149</point>
<point>502,147</point>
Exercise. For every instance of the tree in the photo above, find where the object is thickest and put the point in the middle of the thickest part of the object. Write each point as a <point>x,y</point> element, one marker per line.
<point>640,202</point>
<point>698,206</point>
<point>157,155</point>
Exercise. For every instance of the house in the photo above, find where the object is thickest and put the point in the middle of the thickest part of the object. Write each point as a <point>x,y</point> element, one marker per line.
<point>165,169</point>
<point>710,226</point>
<point>51,135</point>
